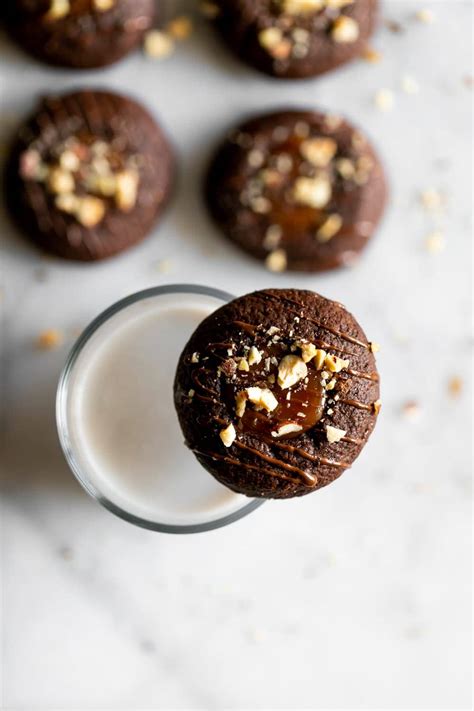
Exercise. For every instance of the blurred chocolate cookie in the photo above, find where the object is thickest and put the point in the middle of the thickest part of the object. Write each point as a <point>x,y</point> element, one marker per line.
<point>88,175</point>
<point>299,189</point>
<point>293,39</point>
<point>79,33</point>
<point>277,392</point>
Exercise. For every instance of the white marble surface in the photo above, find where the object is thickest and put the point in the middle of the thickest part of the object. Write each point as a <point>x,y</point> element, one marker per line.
<point>356,597</point>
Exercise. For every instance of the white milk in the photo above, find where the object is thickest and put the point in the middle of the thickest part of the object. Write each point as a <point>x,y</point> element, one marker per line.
<point>123,428</point>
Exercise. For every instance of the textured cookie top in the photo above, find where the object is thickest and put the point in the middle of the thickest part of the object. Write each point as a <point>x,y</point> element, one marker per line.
<point>302,190</point>
<point>296,38</point>
<point>85,166</point>
<point>277,392</point>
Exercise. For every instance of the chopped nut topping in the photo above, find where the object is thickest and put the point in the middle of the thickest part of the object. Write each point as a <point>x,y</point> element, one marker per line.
<point>254,356</point>
<point>432,200</point>
<point>103,5</point>
<point>384,100</point>
<point>318,151</point>
<point>255,158</point>
<point>335,364</point>
<point>262,398</point>
<point>57,9</point>
<point>274,42</point>
<point>241,403</point>
<point>228,435</point>
<point>126,190</point>
<point>60,181</point>
<point>345,29</point>
<point>272,237</point>
<point>374,347</point>
<point>301,7</point>
<point>314,192</point>
<point>435,242</point>
<point>372,55</point>
<point>345,168</point>
<point>329,228</point>
<point>287,429</point>
<point>67,202</point>
<point>376,406</point>
<point>191,393</point>
<point>334,434</point>
<point>68,160</point>
<point>426,16</point>
<point>308,351</point>
<point>195,357</point>
<point>319,358</point>
<point>291,370</point>
<point>243,365</point>
<point>49,339</point>
<point>276,261</point>
<point>158,45</point>
<point>455,386</point>
<point>90,211</point>
<point>180,28</point>
<point>331,385</point>
<point>272,330</point>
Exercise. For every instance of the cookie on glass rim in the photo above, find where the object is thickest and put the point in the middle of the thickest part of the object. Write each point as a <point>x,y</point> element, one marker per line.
<point>277,392</point>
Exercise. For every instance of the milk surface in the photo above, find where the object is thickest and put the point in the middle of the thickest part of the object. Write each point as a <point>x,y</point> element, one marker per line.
<point>123,427</point>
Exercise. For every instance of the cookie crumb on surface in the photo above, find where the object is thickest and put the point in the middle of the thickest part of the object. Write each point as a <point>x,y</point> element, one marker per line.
<point>371,55</point>
<point>435,242</point>
<point>228,435</point>
<point>276,261</point>
<point>411,410</point>
<point>384,99</point>
<point>49,340</point>
<point>158,45</point>
<point>455,386</point>
<point>425,15</point>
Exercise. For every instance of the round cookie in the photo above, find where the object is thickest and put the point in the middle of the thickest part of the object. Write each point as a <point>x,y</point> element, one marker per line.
<point>82,34</point>
<point>301,190</point>
<point>89,174</point>
<point>294,39</point>
<point>277,392</point>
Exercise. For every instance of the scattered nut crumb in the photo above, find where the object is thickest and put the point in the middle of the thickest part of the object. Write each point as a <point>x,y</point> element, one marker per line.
<point>57,9</point>
<point>432,199</point>
<point>435,242</point>
<point>228,435</point>
<point>409,85</point>
<point>376,406</point>
<point>314,192</point>
<point>374,347</point>
<point>254,356</point>
<point>345,30</point>
<point>180,28</point>
<point>103,5</point>
<point>411,410</point>
<point>158,45</point>
<point>334,434</point>
<point>244,365</point>
<point>372,55</point>
<point>335,364</point>
<point>291,370</point>
<point>329,228</point>
<point>425,15</point>
<point>287,429</point>
<point>455,386</point>
<point>276,261</point>
<point>384,99</point>
<point>49,340</point>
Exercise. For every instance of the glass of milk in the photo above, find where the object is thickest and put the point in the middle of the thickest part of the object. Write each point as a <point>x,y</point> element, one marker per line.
<point>116,418</point>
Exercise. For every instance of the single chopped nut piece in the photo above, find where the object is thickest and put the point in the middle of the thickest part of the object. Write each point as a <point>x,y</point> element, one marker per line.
<point>276,261</point>
<point>228,367</point>
<point>49,339</point>
<point>255,158</point>
<point>372,55</point>
<point>319,358</point>
<point>180,28</point>
<point>308,351</point>
<point>30,165</point>
<point>376,406</point>
<point>384,99</point>
<point>57,9</point>
<point>300,7</point>
<point>329,228</point>
<point>426,16</point>
<point>241,403</point>
<point>346,168</point>
<point>291,370</point>
<point>344,30</point>
<point>319,151</point>
<point>338,4</point>
<point>374,347</point>
<point>432,199</point>
<point>334,434</point>
<point>273,236</point>
<point>191,393</point>
<point>103,5</point>
<point>209,9</point>
<point>335,364</point>
<point>195,358</point>
<point>67,202</point>
<point>254,356</point>
<point>68,160</point>
<point>228,435</point>
<point>126,190</point>
<point>287,429</point>
<point>315,192</point>
<point>60,181</point>
<point>272,330</point>
<point>90,211</point>
<point>435,242</point>
<point>411,410</point>
<point>158,45</point>
<point>410,85</point>
<point>455,386</point>
<point>275,43</point>
<point>262,398</point>
<point>244,365</point>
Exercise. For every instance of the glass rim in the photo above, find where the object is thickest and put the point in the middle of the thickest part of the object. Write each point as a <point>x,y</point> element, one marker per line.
<point>62,418</point>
